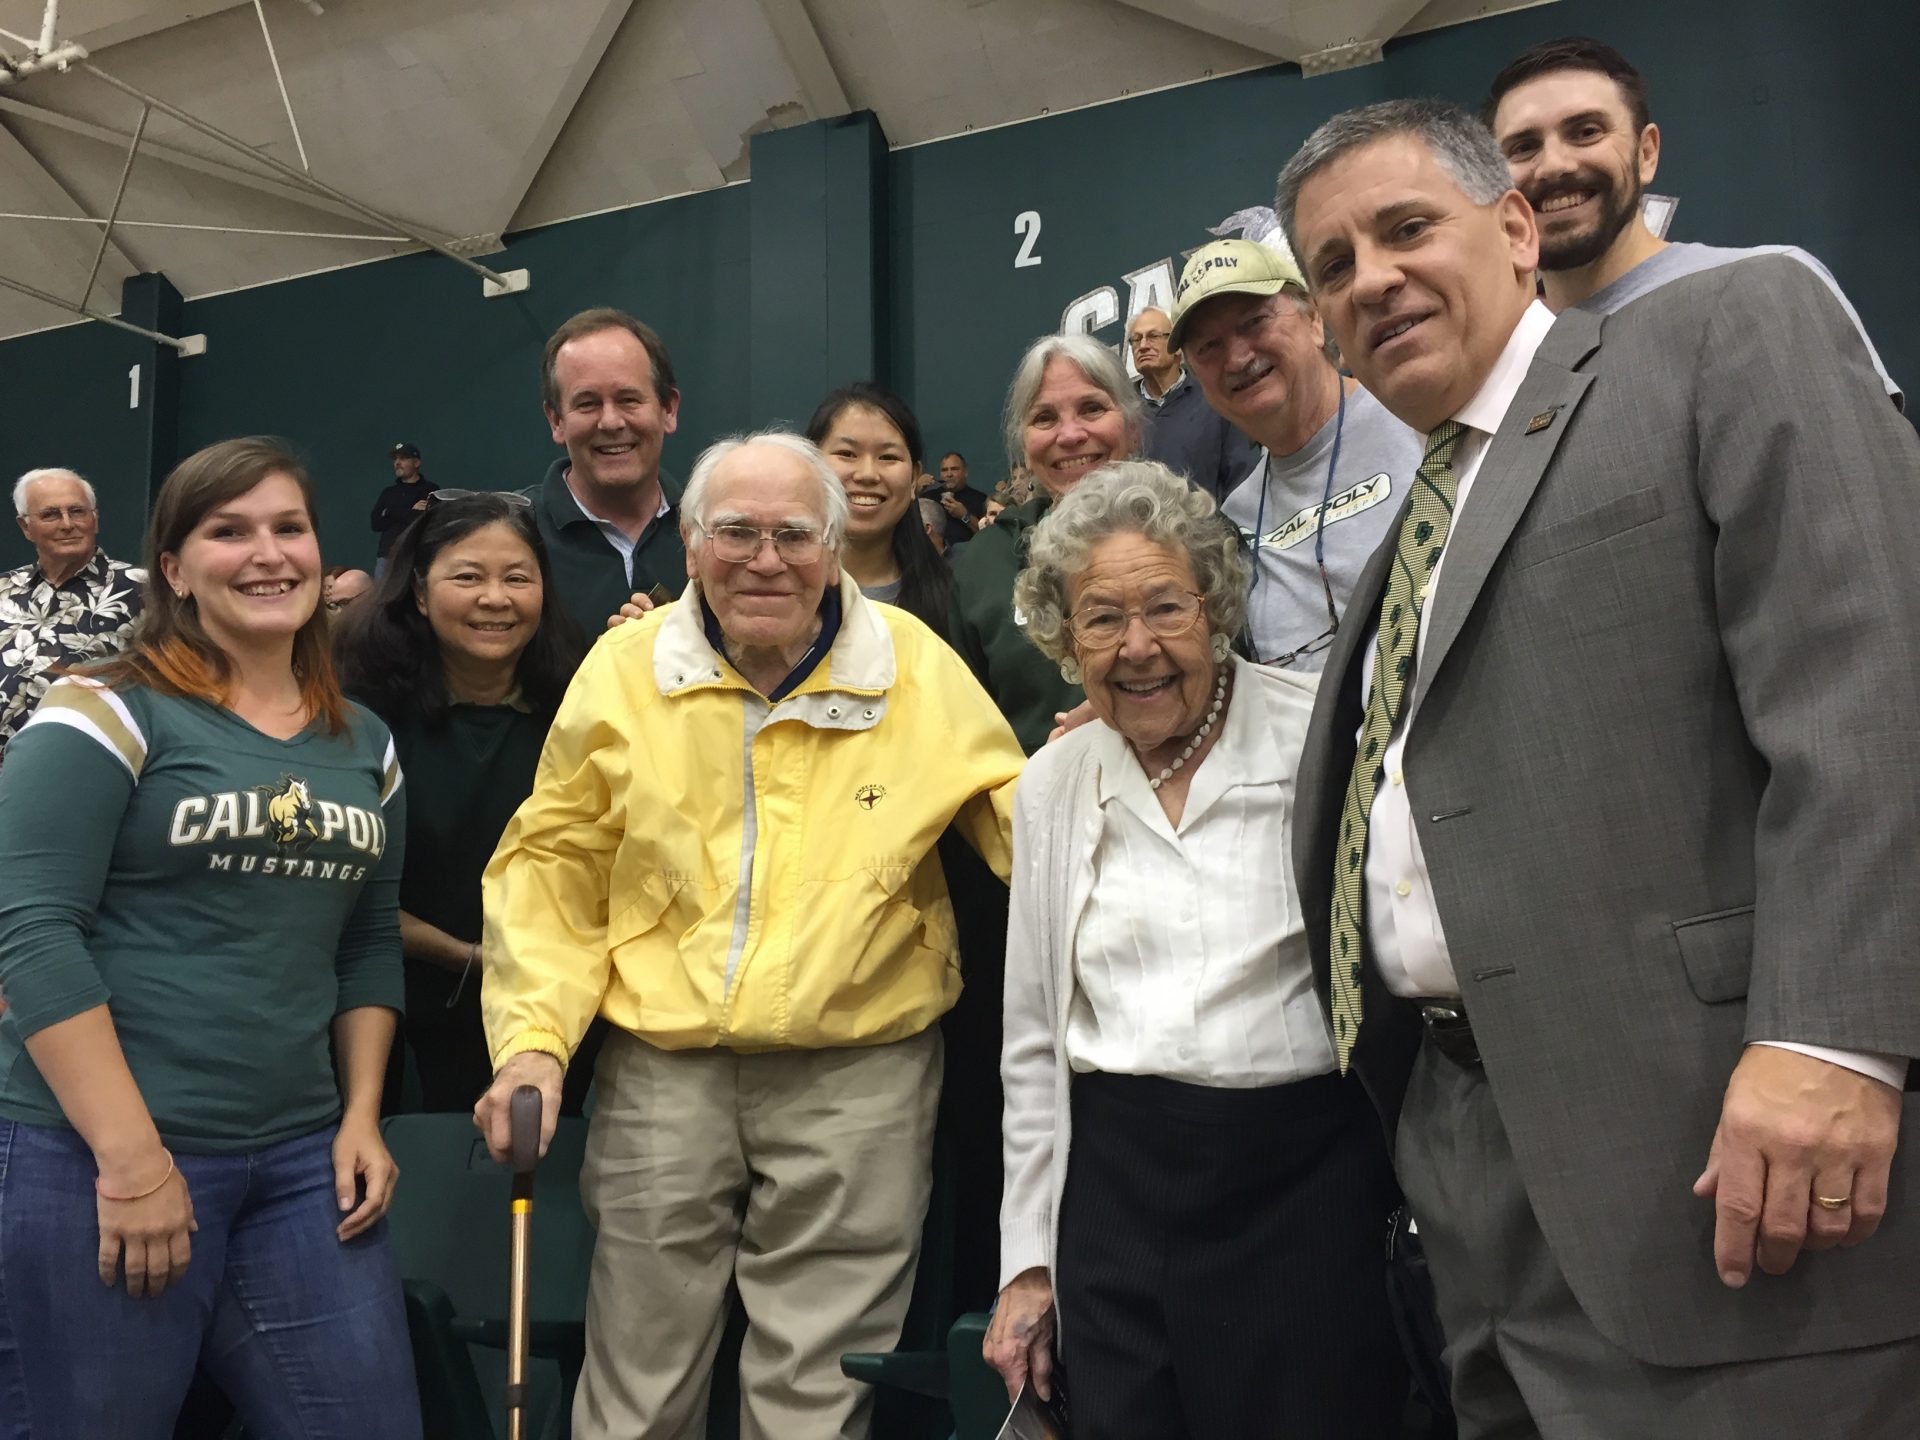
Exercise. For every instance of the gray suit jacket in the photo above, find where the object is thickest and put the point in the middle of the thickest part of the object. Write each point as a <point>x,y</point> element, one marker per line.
<point>1665,768</point>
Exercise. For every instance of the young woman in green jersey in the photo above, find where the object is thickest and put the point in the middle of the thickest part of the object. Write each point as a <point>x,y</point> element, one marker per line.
<point>459,651</point>
<point>203,842</point>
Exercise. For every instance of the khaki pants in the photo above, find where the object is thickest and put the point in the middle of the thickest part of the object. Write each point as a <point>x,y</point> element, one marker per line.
<point>800,1175</point>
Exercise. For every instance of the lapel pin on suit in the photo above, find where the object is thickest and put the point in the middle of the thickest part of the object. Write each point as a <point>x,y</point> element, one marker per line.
<point>1542,420</point>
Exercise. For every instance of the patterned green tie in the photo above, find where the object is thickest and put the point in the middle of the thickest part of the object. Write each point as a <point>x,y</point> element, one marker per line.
<point>1423,535</point>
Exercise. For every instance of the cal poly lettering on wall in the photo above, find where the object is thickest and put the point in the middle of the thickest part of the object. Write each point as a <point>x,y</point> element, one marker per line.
<point>288,817</point>
<point>1152,286</point>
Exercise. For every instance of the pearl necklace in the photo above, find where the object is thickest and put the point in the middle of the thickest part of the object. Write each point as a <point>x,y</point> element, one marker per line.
<point>1206,729</point>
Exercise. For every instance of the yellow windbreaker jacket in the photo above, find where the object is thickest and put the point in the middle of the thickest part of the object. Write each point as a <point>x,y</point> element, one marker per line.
<point>708,869</point>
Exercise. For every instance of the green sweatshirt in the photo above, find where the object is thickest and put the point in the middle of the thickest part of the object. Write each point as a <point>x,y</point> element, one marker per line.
<point>1023,683</point>
<point>223,893</point>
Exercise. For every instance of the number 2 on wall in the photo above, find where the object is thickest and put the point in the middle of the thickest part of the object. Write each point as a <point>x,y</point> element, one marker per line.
<point>1027,223</point>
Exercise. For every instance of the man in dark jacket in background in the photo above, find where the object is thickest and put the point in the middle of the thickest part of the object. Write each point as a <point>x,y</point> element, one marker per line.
<point>400,503</point>
<point>606,509</point>
<point>1184,432</point>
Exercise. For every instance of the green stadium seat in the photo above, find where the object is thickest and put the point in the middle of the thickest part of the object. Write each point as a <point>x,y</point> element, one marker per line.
<point>452,1238</point>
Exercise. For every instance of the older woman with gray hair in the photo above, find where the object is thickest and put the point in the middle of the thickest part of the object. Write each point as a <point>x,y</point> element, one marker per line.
<point>1195,1198</point>
<point>728,855</point>
<point>1070,410</point>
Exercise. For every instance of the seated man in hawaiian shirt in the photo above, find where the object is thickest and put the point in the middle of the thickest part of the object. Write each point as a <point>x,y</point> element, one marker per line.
<point>71,605</point>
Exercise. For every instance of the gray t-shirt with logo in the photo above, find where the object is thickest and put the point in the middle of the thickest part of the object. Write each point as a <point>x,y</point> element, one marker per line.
<point>1687,258</point>
<point>1287,610</point>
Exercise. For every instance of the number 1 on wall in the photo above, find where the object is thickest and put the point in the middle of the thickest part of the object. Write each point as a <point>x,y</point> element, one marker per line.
<point>133,388</point>
<point>1027,223</point>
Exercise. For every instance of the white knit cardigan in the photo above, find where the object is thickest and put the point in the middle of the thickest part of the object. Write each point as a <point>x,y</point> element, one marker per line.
<point>1056,829</point>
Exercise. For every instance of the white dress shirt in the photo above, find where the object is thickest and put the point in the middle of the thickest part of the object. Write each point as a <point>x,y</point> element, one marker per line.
<point>1403,923</point>
<point>1189,959</point>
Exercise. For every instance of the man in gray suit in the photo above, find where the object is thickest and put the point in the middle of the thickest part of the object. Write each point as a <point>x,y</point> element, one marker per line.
<point>1605,815</point>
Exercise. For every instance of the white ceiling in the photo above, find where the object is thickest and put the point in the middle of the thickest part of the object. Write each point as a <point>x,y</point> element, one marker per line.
<point>468,118</point>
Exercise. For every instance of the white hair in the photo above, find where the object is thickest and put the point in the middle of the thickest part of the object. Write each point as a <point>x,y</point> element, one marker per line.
<point>21,486</point>
<point>1093,359</point>
<point>833,496</point>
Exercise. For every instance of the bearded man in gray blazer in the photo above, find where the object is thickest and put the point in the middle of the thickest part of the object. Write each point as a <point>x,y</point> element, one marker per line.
<point>1606,816</point>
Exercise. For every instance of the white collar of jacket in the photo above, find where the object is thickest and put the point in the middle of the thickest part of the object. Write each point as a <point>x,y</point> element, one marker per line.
<point>847,691</point>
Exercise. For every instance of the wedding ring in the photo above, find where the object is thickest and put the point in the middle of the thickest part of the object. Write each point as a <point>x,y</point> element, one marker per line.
<point>1832,1202</point>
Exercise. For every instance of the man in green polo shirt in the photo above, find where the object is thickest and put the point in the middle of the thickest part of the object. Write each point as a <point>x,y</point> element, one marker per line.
<point>606,509</point>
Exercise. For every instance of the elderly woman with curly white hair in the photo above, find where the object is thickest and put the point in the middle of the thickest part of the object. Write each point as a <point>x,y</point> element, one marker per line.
<point>1207,1255</point>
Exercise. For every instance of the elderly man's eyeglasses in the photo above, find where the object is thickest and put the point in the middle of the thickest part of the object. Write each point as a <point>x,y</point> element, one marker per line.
<point>1168,616</point>
<point>737,544</point>
<point>53,515</point>
<point>1141,337</point>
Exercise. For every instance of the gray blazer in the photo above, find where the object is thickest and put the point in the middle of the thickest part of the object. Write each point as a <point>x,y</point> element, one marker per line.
<point>1665,767</point>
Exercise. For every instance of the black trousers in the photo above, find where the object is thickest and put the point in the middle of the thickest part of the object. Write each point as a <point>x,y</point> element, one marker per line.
<point>1221,1265</point>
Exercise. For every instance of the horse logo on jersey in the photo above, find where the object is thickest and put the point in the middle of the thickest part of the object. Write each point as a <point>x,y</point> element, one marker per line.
<point>290,813</point>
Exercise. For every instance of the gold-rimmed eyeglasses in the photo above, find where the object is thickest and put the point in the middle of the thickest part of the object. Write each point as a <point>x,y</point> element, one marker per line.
<point>1167,615</point>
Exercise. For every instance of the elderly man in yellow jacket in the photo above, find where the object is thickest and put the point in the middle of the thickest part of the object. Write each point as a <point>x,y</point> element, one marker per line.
<point>729,853</point>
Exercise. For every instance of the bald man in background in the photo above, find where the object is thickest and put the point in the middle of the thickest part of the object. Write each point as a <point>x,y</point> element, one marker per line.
<point>1183,431</point>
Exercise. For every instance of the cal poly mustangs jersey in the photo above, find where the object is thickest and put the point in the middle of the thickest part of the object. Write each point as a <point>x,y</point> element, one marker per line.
<point>224,893</point>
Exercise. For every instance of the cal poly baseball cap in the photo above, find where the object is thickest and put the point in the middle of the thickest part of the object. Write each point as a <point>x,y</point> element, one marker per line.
<point>1230,267</point>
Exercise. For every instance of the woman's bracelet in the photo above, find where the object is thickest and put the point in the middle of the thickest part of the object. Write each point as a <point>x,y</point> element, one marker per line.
<point>124,1199</point>
<point>473,959</point>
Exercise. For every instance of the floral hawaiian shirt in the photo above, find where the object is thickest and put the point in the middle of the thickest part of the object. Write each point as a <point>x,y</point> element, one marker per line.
<point>43,628</point>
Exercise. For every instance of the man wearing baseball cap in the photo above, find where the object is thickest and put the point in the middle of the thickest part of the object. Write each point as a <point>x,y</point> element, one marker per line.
<point>1336,464</point>
<point>401,502</point>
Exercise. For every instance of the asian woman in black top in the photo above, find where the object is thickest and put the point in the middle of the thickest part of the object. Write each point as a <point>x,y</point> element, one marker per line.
<point>459,651</point>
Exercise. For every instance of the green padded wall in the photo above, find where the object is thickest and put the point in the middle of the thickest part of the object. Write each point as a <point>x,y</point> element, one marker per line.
<point>820,243</point>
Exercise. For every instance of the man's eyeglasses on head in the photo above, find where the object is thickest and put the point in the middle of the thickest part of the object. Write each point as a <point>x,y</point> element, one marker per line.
<point>1101,627</point>
<point>737,544</point>
<point>511,497</point>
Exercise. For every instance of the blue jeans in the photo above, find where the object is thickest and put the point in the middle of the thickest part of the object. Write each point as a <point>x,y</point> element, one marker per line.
<point>306,1335</point>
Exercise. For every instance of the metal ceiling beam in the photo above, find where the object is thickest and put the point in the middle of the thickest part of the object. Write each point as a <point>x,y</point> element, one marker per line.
<point>494,283</point>
<point>539,145</point>
<point>52,193</point>
<point>137,22</point>
<point>181,159</point>
<point>184,344</point>
<point>799,42</point>
<point>119,195</point>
